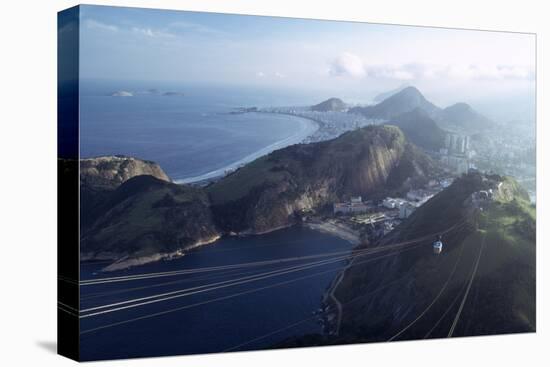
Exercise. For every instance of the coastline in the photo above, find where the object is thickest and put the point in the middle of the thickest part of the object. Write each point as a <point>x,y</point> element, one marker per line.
<point>127,262</point>
<point>118,262</point>
<point>307,128</point>
<point>335,229</point>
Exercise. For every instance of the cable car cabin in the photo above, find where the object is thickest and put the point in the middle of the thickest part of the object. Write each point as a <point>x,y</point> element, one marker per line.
<point>438,247</point>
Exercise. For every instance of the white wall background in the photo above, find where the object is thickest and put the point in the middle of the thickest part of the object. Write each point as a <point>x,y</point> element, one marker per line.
<point>28,183</point>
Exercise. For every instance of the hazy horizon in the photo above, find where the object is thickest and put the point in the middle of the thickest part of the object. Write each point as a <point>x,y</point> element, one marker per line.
<point>350,60</point>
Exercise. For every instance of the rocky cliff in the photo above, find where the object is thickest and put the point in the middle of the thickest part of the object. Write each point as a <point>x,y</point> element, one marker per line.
<point>270,192</point>
<point>109,172</point>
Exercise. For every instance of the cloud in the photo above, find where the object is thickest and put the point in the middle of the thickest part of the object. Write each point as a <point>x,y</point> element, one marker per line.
<point>350,65</point>
<point>347,64</point>
<point>391,72</point>
<point>149,32</point>
<point>94,24</point>
<point>270,75</point>
<point>494,72</point>
<point>193,27</point>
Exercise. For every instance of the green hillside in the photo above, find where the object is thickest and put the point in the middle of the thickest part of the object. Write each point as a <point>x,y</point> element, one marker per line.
<point>416,294</point>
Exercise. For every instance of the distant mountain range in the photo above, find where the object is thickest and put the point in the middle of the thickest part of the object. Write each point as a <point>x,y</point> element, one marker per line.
<point>463,116</point>
<point>459,116</point>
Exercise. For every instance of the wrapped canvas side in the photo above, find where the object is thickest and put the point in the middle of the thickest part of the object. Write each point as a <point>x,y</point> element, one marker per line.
<point>68,184</point>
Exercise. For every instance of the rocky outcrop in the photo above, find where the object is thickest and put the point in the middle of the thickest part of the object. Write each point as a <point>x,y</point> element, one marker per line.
<point>101,175</point>
<point>109,172</point>
<point>146,219</point>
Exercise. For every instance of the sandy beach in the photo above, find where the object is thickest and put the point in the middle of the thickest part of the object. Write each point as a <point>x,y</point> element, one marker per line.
<point>335,229</point>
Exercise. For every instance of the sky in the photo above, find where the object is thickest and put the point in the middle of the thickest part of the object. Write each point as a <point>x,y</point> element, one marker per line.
<point>350,60</point>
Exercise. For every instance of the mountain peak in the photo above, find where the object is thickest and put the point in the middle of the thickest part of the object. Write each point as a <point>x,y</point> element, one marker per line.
<point>460,106</point>
<point>331,104</point>
<point>401,102</point>
<point>411,90</point>
<point>411,94</point>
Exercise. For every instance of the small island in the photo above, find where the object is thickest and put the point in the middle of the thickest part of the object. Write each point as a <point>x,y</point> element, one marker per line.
<point>122,93</point>
<point>173,94</point>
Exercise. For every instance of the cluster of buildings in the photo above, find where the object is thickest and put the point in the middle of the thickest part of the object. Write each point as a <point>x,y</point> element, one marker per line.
<point>405,207</point>
<point>390,208</point>
<point>376,219</point>
<point>482,197</point>
<point>457,154</point>
<point>354,206</point>
<point>457,143</point>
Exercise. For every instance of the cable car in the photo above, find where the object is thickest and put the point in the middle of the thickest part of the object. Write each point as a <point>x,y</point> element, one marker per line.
<point>437,245</point>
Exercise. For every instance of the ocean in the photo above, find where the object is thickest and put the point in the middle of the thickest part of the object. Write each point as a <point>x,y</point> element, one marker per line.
<point>251,315</point>
<point>193,136</point>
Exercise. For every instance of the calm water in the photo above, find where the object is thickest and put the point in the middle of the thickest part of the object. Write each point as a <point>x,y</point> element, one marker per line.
<point>189,136</point>
<point>254,315</point>
<point>194,136</point>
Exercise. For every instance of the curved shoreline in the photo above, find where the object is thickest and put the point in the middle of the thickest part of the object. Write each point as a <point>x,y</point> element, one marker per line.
<point>307,128</point>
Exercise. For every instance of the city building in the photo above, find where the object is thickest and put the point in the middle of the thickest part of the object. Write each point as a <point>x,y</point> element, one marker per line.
<point>457,164</point>
<point>354,206</point>
<point>405,210</point>
<point>457,143</point>
<point>392,203</point>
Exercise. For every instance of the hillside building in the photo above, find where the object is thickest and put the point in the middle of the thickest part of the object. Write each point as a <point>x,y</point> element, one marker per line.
<point>354,206</point>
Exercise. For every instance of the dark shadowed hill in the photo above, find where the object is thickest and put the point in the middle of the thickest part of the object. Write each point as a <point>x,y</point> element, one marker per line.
<point>420,129</point>
<point>145,219</point>
<point>99,176</point>
<point>482,283</point>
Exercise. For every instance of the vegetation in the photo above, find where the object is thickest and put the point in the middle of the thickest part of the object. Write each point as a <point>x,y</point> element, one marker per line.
<point>380,298</point>
<point>145,214</point>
